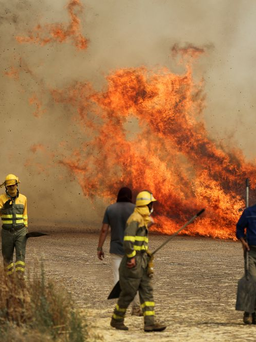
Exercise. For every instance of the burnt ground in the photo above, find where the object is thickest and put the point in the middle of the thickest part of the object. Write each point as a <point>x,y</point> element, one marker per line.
<point>195,285</point>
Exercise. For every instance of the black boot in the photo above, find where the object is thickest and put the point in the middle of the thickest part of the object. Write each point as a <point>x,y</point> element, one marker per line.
<point>118,324</point>
<point>254,318</point>
<point>247,318</point>
<point>154,327</point>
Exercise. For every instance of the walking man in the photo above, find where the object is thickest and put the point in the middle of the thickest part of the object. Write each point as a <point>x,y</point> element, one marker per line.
<point>114,219</point>
<point>13,212</point>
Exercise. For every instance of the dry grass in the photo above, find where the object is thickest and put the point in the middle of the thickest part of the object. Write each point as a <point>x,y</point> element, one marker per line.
<point>36,309</point>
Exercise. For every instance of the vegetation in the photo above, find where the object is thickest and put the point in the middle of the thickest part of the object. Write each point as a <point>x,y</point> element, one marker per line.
<point>36,310</point>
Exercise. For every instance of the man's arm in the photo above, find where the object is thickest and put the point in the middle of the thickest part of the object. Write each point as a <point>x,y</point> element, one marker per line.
<point>25,213</point>
<point>244,244</point>
<point>240,230</point>
<point>103,234</point>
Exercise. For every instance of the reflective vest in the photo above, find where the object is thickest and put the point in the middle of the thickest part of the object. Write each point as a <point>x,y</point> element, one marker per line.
<point>13,214</point>
<point>135,236</point>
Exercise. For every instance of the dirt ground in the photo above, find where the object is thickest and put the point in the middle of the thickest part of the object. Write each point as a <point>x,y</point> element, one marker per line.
<point>195,285</point>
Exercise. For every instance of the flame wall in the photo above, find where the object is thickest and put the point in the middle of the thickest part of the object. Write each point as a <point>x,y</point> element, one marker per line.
<point>97,95</point>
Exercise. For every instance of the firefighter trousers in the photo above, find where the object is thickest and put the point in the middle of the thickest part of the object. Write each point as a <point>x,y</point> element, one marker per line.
<point>14,239</point>
<point>131,281</point>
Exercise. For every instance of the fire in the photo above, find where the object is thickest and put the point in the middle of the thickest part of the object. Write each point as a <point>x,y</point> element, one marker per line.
<point>170,153</point>
<point>146,130</point>
<point>59,32</point>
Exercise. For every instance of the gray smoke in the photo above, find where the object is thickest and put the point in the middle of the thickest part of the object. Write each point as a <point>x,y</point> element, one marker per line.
<point>122,34</point>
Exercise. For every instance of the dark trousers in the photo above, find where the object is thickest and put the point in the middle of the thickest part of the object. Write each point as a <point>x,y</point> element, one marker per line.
<point>131,281</point>
<point>14,240</point>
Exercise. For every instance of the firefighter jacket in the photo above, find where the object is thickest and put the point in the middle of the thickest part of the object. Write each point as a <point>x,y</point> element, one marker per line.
<point>136,232</point>
<point>13,212</point>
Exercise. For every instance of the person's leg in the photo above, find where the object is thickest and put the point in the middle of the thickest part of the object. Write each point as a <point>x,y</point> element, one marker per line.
<point>129,289</point>
<point>129,282</point>
<point>248,318</point>
<point>20,247</point>
<point>136,309</point>
<point>148,305</point>
<point>7,250</point>
<point>116,261</point>
<point>147,300</point>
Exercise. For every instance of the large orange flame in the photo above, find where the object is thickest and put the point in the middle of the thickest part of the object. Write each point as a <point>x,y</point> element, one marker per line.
<point>169,153</point>
<point>146,130</point>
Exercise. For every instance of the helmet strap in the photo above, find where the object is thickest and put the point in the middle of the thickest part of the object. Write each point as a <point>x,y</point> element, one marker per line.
<point>150,207</point>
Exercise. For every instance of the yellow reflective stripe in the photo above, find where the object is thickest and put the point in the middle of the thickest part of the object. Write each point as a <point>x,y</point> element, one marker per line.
<point>11,222</point>
<point>7,216</point>
<point>19,215</point>
<point>10,272</point>
<point>129,238</point>
<point>149,313</point>
<point>140,248</point>
<point>20,263</point>
<point>147,304</point>
<point>9,269</point>
<point>135,238</point>
<point>120,309</point>
<point>141,238</point>
<point>19,221</point>
<point>131,255</point>
<point>117,317</point>
<point>20,269</point>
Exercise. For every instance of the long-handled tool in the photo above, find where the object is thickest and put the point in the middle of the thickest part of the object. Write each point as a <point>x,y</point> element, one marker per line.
<point>35,234</point>
<point>246,289</point>
<point>117,289</point>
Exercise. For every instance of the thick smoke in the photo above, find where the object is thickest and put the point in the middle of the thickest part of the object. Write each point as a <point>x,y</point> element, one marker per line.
<point>35,130</point>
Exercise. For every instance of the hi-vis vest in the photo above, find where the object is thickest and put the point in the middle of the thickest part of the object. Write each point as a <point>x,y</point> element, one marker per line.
<point>135,236</point>
<point>14,216</point>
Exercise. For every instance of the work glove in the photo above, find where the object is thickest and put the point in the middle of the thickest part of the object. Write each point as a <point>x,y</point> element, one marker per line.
<point>7,204</point>
<point>131,263</point>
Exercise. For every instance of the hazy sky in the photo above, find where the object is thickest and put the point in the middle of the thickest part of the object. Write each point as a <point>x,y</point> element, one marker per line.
<point>121,34</point>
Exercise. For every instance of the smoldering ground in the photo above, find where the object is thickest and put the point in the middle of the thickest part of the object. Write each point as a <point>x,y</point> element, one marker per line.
<point>38,132</point>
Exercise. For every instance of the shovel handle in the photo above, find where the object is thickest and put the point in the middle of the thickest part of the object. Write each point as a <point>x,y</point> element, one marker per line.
<point>246,264</point>
<point>177,232</point>
<point>200,212</point>
<point>246,254</point>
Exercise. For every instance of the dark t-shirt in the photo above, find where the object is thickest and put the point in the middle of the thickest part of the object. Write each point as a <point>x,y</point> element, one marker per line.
<point>247,221</point>
<point>116,216</point>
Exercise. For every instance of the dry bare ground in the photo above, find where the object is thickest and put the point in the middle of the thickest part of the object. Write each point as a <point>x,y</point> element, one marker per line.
<point>195,285</point>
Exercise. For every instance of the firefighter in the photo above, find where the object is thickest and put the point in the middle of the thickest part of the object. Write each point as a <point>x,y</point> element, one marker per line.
<point>133,268</point>
<point>13,212</point>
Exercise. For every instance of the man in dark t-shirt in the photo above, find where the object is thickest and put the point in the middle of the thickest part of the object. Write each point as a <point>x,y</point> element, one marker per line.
<point>114,219</point>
